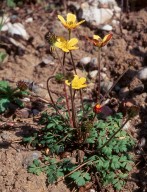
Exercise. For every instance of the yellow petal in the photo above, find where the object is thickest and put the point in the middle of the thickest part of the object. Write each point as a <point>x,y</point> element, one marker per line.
<point>76,77</point>
<point>72,41</point>
<point>65,49</point>
<point>107,38</point>
<point>67,82</point>
<point>80,22</point>
<point>82,80</point>
<point>97,37</point>
<point>58,44</point>
<point>62,19</point>
<point>61,39</point>
<point>71,18</point>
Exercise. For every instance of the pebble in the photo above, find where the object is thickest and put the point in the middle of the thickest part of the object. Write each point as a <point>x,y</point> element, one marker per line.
<point>106,85</point>
<point>93,74</point>
<point>106,27</point>
<point>30,158</point>
<point>35,112</point>
<point>142,142</point>
<point>142,74</point>
<point>127,126</point>
<point>85,60</point>
<point>25,99</point>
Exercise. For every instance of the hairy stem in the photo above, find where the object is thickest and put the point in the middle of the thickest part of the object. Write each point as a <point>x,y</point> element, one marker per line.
<point>99,74</point>
<point>73,63</point>
<point>51,98</point>
<point>73,108</point>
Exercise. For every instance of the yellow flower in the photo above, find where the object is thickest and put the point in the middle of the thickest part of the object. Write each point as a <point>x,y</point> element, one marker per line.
<point>77,82</point>
<point>70,22</point>
<point>98,41</point>
<point>65,45</point>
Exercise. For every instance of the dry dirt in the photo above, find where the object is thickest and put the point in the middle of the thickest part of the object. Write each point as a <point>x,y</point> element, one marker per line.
<point>127,49</point>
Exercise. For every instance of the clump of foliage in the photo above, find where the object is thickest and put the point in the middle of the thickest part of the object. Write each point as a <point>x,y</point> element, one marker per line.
<point>111,162</point>
<point>8,95</point>
<point>80,142</point>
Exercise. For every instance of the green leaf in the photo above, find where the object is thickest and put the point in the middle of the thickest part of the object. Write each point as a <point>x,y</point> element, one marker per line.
<point>18,102</point>
<point>4,103</point>
<point>128,167</point>
<point>81,181</point>
<point>11,3</point>
<point>2,55</point>
<point>87,176</point>
<point>4,84</point>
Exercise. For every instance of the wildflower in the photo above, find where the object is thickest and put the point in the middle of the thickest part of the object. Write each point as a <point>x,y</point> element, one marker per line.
<point>98,41</point>
<point>97,108</point>
<point>66,45</point>
<point>77,82</point>
<point>70,22</point>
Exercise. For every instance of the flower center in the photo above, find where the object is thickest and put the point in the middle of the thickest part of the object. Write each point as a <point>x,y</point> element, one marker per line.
<point>70,23</point>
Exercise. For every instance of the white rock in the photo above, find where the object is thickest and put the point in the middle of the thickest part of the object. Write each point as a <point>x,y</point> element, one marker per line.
<point>93,74</point>
<point>26,99</point>
<point>18,29</point>
<point>115,22</point>
<point>142,74</point>
<point>127,126</point>
<point>103,75</point>
<point>29,20</point>
<point>92,190</point>
<point>85,60</point>
<point>106,27</point>
<point>96,16</point>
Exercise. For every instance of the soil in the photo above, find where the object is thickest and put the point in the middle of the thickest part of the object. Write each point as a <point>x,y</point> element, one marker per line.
<point>128,49</point>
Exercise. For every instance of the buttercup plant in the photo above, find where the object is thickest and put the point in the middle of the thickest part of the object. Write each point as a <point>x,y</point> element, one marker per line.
<point>87,145</point>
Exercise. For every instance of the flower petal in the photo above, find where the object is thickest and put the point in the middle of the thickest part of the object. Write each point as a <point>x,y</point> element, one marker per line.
<point>62,19</point>
<point>82,80</point>
<point>106,39</point>
<point>72,41</point>
<point>97,37</point>
<point>71,18</point>
<point>80,22</point>
<point>67,82</point>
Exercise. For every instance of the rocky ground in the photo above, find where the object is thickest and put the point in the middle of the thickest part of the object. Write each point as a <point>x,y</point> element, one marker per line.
<point>30,60</point>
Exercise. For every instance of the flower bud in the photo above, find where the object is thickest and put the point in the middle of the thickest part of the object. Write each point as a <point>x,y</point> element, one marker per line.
<point>97,108</point>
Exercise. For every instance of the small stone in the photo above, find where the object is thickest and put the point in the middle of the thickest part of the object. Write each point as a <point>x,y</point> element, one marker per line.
<point>85,60</point>
<point>142,142</point>
<point>127,126</point>
<point>93,74</point>
<point>142,74</point>
<point>103,76</point>
<point>25,99</point>
<point>106,27</point>
<point>23,113</point>
<point>35,112</point>
<point>106,85</point>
